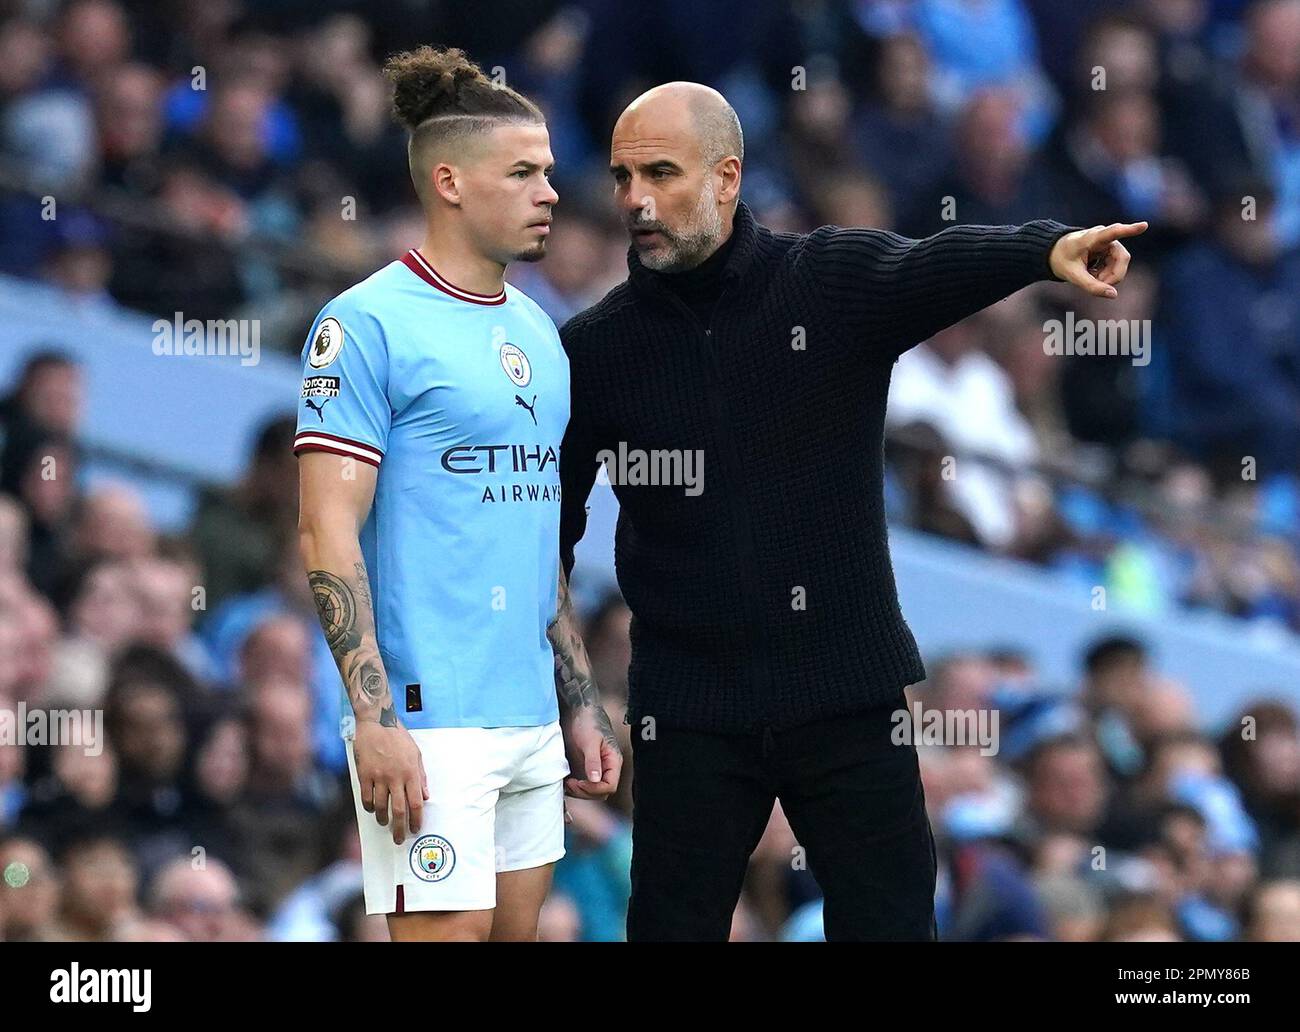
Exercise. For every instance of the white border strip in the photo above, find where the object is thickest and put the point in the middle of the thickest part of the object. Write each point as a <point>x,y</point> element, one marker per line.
<point>363,451</point>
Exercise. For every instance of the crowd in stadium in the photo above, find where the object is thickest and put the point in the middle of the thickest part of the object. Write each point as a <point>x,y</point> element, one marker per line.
<point>228,159</point>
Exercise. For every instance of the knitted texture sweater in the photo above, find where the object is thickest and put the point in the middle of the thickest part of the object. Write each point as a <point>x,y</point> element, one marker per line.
<point>763,597</point>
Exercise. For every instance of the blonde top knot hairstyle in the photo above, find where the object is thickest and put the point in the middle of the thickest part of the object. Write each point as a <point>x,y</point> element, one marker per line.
<point>442,97</point>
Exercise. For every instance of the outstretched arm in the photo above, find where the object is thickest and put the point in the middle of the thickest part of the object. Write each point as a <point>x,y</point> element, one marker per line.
<point>894,292</point>
<point>594,755</point>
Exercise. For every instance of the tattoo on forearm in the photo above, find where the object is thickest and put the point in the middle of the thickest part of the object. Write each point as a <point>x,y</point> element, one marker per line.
<point>370,681</point>
<point>337,608</point>
<point>347,617</point>
<point>575,687</point>
<point>363,586</point>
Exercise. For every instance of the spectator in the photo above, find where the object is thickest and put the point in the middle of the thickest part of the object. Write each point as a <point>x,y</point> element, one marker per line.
<point>30,891</point>
<point>100,886</point>
<point>39,468</point>
<point>145,719</point>
<point>1237,387</point>
<point>1275,912</point>
<point>283,817</point>
<point>200,899</point>
<point>48,395</point>
<point>899,134</point>
<point>994,178</point>
<point>239,534</point>
<point>950,384</point>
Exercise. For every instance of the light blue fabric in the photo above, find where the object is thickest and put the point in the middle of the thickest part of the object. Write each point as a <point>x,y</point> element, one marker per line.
<point>462,404</point>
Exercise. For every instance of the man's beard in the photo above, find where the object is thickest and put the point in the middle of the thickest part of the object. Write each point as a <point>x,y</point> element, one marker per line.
<point>533,253</point>
<point>688,247</point>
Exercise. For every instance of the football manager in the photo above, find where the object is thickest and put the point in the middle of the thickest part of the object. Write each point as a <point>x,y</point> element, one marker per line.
<point>768,649</point>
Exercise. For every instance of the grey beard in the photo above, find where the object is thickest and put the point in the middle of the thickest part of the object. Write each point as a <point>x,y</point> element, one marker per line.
<point>681,254</point>
<point>694,244</point>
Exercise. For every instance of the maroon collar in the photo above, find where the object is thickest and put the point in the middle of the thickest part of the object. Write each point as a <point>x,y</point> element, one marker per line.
<point>419,265</point>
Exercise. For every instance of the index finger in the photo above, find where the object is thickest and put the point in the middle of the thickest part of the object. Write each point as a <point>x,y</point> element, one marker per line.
<point>580,789</point>
<point>586,789</point>
<point>1118,231</point>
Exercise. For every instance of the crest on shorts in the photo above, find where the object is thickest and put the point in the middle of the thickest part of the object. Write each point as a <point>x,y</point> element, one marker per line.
<point>432,858</point>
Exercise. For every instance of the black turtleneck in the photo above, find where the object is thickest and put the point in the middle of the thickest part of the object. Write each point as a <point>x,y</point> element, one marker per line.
<point>782,405</point>
<point>701,286</point>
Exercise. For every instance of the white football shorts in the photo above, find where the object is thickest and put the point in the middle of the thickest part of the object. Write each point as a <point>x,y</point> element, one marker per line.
<point>496,803</point>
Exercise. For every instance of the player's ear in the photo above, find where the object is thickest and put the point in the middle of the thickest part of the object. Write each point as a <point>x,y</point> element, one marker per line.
<point>446,181</point>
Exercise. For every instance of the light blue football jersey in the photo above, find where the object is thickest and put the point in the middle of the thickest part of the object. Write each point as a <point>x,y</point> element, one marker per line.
<point>461,401</point>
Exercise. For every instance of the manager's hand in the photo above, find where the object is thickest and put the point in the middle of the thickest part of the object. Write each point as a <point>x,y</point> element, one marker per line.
<point>1094,259</point>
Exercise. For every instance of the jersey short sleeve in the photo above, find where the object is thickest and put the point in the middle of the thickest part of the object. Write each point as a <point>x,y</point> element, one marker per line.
<point>344,407</point>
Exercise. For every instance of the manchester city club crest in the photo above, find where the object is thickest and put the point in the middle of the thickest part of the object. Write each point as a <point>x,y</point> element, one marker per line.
<point>432,858</point>
<point>515,363</point>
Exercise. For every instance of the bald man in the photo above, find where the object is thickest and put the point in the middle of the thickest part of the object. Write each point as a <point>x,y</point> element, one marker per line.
<point>734,388</point>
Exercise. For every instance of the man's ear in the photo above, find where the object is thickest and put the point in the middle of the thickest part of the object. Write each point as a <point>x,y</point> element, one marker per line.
<point>728,170</point>
<point>446,182</point>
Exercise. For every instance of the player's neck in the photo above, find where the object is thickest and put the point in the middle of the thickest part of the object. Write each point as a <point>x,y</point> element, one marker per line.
<point>461,265</point>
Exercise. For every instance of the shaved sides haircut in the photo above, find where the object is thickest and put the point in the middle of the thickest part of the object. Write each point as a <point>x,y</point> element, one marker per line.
<point>444,100</point>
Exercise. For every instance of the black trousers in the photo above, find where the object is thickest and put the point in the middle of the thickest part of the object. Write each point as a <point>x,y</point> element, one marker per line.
<point>854,801</point>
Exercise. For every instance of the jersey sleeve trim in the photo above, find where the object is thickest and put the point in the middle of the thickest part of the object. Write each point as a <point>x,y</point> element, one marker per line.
<point>316,440</point>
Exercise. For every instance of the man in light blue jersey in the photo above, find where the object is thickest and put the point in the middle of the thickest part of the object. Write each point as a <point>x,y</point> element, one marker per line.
<point>433,404</point>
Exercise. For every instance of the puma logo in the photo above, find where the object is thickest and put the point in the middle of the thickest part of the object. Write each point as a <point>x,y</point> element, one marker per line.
<point>520,401</point>
<point>319,409</point>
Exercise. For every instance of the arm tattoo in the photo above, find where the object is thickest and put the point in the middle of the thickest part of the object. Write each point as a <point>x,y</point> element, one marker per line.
<point>337,608</point>
<point>363,585</point>
<point>575,687</point>
<point>348,620</point>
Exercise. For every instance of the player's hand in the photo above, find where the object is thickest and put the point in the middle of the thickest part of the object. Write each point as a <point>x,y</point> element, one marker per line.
<point>1094,259</point>
<point>391,774</point>
<point>594,756</point>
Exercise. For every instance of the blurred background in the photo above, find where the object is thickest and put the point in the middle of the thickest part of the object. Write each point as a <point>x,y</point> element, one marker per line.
<point>1114,570</point>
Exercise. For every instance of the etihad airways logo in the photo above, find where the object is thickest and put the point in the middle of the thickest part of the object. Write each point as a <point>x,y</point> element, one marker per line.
<point>498,458</point>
